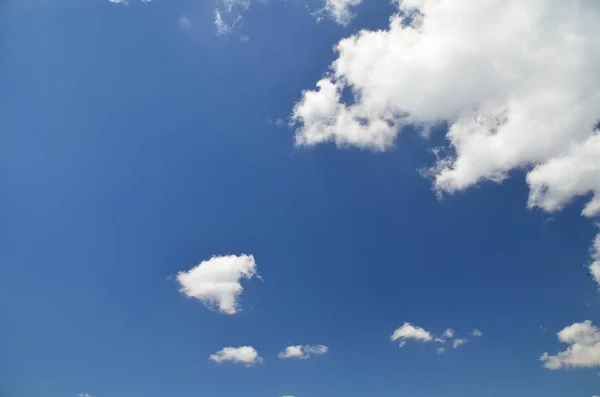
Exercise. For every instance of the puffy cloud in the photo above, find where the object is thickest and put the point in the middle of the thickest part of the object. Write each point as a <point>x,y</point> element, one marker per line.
<point>85,394</point>
<point>449,333</point>
<point>584,349</point>
<point>216,282</point>
<point>303,352</point>
<point>476,333</point>
<point>441,350</point>
<point>409,331</point>
<point>516,81</point>
<point>239,355</point>
<point>458,342</point>
<point>338,10</point>
<point>229,15</point>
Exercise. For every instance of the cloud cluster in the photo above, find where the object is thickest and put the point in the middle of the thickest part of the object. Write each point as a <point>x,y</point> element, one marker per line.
<point>216,282</point>
<point>516,81</point>
<point>584,349</point>
<point>303,351</point>
<point>409,332</point>
<point>239,355</point>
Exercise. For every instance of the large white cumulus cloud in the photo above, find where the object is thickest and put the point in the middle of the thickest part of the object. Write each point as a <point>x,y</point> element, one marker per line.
<point>584,347</point>
<point>517,80</point>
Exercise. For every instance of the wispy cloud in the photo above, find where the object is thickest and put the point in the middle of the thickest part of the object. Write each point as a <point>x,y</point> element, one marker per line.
<point>125,2</point>
<point>340,11</point>
<point>303,351</point>
<point>185,22</point>
<point>229,15</point>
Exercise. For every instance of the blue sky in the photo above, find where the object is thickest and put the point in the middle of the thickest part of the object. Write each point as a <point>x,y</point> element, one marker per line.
<point>139,141</point>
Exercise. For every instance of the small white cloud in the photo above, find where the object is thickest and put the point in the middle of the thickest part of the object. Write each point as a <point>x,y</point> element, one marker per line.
<point>239,355</point>
<point>584,349</point>
<point>456,343</point>
<point>245,39</point>
<point>449,333</point>
<point>303,351</point>
<point>409,331</point>
<point>185,22</point>
<point>216,282</point>
<point>595,265</point>
<point>476,333</point>
<point>279,122</point>
<point>441,350</point>
<point>337,10</point>
<point>84,395</point>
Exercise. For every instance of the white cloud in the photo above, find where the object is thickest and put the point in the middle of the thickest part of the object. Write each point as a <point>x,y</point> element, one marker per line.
<point>517,82</point>
<point>239,355</point>
<point>216,282</point>
<point>229,15</point>
<point>595,265</point>
<point>441,350</point>
<point>584,349</point>
<point>303,351</point>
<point>476,333</point>
<point>185,22</point>
<point>409,331</point>
<point>338,10</point>
<point>458,342</point>
<point>85,394</point>
<point>449,333</point>
<point>126,1</point>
